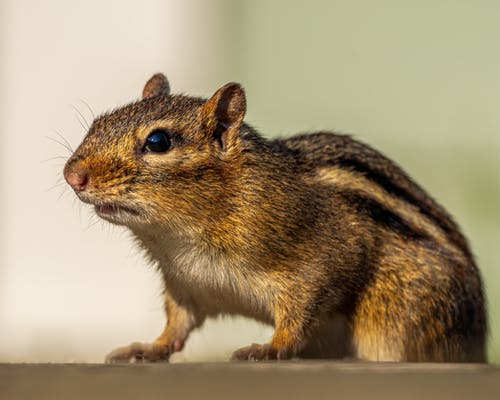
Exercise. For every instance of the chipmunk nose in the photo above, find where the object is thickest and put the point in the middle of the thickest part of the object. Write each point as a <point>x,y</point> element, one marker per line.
<point>77,178</point>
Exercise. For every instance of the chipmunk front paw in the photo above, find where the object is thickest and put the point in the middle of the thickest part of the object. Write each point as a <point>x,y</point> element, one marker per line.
<point>140,353</point>
<point>259,352</point>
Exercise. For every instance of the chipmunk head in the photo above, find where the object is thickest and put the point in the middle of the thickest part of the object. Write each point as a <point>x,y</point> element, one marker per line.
<point>162,158</point>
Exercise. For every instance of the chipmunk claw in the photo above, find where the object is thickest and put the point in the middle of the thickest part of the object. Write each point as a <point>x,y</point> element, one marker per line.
<point>259,352</point>
<point>139,353</point>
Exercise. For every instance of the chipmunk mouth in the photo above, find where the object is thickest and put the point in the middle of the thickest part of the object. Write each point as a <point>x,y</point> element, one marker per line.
<point>114,212</point>
<point>109,210</point>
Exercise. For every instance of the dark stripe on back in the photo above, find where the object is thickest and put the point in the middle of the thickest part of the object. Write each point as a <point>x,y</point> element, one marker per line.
<point>325,149</point>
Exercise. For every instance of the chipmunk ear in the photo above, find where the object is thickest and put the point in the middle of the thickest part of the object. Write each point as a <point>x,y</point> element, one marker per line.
<point>223,114</point>
<point>156,86</point>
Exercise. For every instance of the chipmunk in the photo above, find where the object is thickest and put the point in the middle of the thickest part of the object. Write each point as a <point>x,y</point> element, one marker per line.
<point>318,235</point>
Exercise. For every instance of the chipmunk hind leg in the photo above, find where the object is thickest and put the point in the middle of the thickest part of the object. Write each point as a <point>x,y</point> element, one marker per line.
<point>428,311</point>
<point>391,328</point>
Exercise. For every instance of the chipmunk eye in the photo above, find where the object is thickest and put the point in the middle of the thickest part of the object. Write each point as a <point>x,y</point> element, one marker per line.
<point>158,141</point>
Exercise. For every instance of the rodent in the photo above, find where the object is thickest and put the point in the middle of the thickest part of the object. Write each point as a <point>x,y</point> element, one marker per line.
<point>319,235</point>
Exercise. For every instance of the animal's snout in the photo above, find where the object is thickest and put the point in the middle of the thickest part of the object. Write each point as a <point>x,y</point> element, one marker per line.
<point>76,176</point>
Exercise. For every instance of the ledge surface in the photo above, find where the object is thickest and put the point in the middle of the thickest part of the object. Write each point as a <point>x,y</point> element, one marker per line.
<point>287,380</point>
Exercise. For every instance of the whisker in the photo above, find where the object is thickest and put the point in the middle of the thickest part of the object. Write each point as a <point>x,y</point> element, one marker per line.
<point>55,158</point>
<point>59,184</point>
<point>60,178</point>
<point>81,118</point>
<point>110,227</point>
<point>92,218</point>
<point>68,148</point>
<point>89,108</point>
<point>81,123</point>
<point>80,211</point>
<point>91,225</point>
<point>63,193</point>
<point>65,141</point>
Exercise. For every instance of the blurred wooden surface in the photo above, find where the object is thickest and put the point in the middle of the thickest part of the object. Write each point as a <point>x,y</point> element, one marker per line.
<point>287,380</point>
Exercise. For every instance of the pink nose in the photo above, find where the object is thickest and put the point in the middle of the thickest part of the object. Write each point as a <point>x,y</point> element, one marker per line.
<point>77,179</point>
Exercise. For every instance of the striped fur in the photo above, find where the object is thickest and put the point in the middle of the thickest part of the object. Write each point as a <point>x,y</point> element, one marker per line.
<point>318,235</point>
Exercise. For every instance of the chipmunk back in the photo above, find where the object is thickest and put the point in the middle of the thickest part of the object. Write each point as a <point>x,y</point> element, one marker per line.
<point>318,235</point>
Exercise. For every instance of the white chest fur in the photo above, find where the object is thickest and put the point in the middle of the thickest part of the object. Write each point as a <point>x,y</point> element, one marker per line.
<point>215,282</point>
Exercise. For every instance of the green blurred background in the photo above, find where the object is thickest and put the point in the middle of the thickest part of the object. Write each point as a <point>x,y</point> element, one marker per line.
<point>418,80</point>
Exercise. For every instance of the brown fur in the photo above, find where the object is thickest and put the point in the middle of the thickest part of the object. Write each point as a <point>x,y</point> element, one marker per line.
<point>319,235</point>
